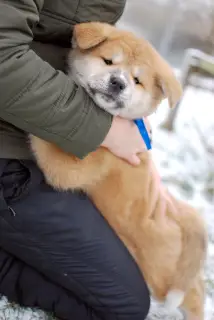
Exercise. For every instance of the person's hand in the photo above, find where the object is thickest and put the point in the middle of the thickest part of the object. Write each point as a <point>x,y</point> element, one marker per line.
<point>125,141</point>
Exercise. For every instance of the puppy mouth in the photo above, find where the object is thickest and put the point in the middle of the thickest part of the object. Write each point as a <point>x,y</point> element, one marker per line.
<point>107,97</point>
<point>104,94</point>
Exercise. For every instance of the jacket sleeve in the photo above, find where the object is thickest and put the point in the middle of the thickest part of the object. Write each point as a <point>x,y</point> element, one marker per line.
<point>37,98</point>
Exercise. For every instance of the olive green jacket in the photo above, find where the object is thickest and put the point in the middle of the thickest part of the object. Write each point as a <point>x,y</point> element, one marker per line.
<point>35,95</point>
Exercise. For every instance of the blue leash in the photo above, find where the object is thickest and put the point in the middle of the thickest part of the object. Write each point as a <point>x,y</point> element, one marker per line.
<point>142,128</point>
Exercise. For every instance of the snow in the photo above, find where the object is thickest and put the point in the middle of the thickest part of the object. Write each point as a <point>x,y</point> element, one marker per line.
<point>187,169</point>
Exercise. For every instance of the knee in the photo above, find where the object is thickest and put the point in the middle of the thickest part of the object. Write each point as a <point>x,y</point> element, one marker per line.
<point>142,307</point>
<point>137,306</point>
<point>140,301</point>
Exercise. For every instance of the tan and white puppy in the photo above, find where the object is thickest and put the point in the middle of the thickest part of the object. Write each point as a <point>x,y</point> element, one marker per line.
<point>125,81</point>
<point>167,238</point>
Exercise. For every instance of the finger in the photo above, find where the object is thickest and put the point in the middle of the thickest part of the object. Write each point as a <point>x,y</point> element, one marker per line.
<point>134,160</point>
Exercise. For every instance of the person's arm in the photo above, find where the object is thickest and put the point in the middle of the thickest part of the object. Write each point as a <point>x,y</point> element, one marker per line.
<point>34,96</point>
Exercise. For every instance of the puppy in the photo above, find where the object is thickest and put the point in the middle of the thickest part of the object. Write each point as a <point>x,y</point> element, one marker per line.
<point>167,238</point>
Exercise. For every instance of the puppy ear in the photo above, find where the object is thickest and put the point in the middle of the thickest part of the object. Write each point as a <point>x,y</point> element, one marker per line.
<point>90,34</point>
<point>168,83</point>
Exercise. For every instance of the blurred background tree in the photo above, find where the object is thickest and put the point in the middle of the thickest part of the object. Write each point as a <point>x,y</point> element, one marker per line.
<point>173,26</point>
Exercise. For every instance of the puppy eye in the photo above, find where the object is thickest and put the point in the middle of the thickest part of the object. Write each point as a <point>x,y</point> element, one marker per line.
<point>136,80</point>
<point>108,62</point>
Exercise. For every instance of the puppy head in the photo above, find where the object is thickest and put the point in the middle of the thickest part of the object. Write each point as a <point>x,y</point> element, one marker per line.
<point>122,73</point>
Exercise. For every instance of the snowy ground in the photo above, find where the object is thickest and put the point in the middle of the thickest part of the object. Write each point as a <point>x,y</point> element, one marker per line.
<point>188,170</point>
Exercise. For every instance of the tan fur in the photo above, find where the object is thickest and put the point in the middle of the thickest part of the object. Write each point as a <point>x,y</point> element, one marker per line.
<point>166,237</point>
<point>95,41</point>
<point>89,35</point>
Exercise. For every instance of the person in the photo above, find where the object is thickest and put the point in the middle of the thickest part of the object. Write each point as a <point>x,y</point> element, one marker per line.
<point>56,250</point>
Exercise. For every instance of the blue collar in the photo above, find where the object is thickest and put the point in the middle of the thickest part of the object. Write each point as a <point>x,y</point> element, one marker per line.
<point>142,128</point>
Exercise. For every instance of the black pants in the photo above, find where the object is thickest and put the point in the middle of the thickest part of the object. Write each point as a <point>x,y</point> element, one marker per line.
<point>58,253</point>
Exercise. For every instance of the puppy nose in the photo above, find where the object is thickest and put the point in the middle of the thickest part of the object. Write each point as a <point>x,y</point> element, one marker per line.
<point>116,84</point>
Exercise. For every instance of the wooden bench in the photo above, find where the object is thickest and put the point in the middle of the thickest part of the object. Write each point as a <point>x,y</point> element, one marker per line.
<point>197,71</point>
<point>197,65</point>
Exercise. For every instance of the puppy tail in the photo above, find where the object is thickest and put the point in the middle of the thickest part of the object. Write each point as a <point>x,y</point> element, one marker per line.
<point>194,247</point>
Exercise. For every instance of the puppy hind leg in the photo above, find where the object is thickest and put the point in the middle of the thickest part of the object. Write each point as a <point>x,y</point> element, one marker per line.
<point>194,300</point>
